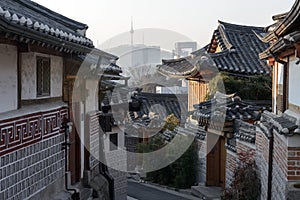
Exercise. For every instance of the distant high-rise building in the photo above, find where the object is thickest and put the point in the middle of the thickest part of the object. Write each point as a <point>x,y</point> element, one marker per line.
<point>183,49</point>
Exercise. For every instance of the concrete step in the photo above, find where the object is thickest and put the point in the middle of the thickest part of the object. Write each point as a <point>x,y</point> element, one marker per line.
<point>207,193</point>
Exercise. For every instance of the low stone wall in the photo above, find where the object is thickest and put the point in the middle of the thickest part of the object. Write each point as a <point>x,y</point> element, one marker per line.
<point>231,164</point>
<point>262,160</point>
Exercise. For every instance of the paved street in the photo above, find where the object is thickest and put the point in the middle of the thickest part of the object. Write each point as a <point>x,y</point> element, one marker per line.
<point>144,192</point>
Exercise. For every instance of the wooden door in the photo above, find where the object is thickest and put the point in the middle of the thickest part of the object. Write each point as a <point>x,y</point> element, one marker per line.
<point>215,160</point>
<point>212,160</point>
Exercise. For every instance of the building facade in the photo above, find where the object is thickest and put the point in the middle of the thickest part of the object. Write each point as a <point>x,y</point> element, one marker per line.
<point>41,152</point>
<point>278,131</point>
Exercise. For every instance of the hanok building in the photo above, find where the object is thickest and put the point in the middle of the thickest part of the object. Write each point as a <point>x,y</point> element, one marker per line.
<point>227,127</point>
<point>87,81</point>
<point>41,51</point>
<point>278,134</point>
<point>233,50</point>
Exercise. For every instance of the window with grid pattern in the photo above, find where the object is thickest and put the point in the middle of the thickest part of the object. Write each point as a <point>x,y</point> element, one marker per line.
<point>43,76</point>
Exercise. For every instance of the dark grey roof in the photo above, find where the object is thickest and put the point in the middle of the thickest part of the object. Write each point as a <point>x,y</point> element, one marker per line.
<point>244,131</point>
<point>32,19</point>
<point>240,49</point>
<point>197,131</point>
<point>163,105</point>
<point>239,55</point>
<point>284,33</point>
<point>284,125</point>
<point>182,67</point>
<point>228,109</point>
<point>198,66</point>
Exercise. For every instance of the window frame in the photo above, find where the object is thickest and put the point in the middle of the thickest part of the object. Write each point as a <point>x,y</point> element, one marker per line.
<point>42,90</point>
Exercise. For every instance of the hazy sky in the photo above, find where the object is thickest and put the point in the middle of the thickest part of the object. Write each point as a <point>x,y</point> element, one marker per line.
<point>195,19</point>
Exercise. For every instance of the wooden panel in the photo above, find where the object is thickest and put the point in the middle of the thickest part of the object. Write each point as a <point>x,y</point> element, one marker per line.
<point>197,93</point>
<point>215,161</point>
<point>212,160</point>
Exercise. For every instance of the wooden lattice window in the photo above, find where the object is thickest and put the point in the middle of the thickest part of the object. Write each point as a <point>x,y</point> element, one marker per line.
<point>43,76</point>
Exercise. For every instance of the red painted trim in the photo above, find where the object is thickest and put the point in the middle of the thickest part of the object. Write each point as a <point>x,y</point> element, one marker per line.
<point>22,131</point>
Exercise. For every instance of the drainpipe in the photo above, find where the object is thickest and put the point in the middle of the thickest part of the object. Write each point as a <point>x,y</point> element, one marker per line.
<point>102,167</point>
<point>66,145</point>
<point>270,167</point>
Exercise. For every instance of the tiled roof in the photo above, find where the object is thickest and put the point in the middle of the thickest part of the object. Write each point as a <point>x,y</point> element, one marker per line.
<point>284,33</point>
<point>197,131</point>
<point>239,45</point>
<point>244,131</point>
<point>182,67</point>
<point>289,21</point>
<point>227,109</point>
<point>284,125</point>
<point>163,105</point>
<point>239,49</point>
<point>106,65</point>
<point>30,20</point>
<point>198,65</point>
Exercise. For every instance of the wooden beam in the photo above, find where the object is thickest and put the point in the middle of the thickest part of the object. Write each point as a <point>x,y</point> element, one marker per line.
<point>271,61</point>
<point>287,53</point>
<point>297,50</point>
<point>216,132</point>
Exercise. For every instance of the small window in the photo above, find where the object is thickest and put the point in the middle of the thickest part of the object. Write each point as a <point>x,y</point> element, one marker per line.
<point>43,76</point>
<point>113,138</point>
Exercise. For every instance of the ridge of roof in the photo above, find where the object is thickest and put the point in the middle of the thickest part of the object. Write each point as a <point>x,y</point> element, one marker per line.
<point>239,27</point>
<point>286,24</point>
<point>280,16</point>
<point>52,14</point>
<point>30,21</point>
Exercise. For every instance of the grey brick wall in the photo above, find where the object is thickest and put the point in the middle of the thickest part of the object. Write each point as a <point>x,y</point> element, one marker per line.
<point>231,164</point>
<point>262,165</point>
<point>279,183</point>
<point>118,160</point>
<point>28,171</point>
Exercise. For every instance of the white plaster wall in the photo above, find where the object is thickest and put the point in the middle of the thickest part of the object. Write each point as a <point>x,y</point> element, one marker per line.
<point>28,75</point>
<point>8,78</point>
<point>294,83</point>
<point>92,99</point>
<point>56,76</point>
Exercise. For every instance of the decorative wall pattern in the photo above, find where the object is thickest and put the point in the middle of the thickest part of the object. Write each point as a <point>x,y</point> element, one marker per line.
<point>16,133</point>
